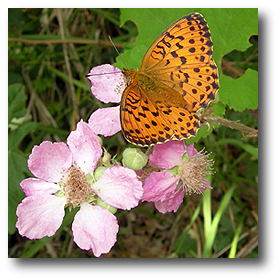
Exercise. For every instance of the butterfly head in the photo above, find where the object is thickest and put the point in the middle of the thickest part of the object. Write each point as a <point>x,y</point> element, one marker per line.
<point>128,73</point>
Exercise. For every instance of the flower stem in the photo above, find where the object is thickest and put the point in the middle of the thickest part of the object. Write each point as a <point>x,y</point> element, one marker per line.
<point>210,119</point>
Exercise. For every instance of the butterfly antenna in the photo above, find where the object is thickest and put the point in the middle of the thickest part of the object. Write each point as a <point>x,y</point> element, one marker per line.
<point>116,50</point>
<point>97,74</point>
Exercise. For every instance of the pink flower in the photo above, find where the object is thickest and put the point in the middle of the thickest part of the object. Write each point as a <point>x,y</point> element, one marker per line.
<point>184,170</point>
<point>65,178</point>
<point>107,85</point>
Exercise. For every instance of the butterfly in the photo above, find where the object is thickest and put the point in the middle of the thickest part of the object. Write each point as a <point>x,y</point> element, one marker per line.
<point>177,78</point>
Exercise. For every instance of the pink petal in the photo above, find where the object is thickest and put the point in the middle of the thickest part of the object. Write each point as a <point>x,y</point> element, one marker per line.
<point>119,187</point>
<point>172,203</point>
<point>95,228</point>
<point>169,154</point>
<point>85,147</point>
<point>40,216</point>
<point>109,86</point>
<point>34,186</point>
<point>205,185</point>
<point>159,186</point>
<point>49,161</point>
<point>191,150</point>
<point>105,121</point>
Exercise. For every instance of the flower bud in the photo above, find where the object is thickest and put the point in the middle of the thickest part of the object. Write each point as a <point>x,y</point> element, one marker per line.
<point>98,172</point>
<point>134,159</point>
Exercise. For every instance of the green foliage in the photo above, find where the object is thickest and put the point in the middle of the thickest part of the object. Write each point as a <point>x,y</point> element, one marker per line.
<point>16,101</point>
<point>41,106</point>
<point>19,128</point>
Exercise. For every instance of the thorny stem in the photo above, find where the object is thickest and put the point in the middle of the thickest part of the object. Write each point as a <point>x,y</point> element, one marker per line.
<point>210,119</point>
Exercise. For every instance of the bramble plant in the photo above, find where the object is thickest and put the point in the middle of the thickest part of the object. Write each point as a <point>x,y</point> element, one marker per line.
<point>189,198</point>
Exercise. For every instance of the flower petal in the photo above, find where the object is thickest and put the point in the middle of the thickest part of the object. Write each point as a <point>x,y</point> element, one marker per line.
<point>109,86</point>
<point>207,185</point>
<point>172,203</point>
<point>119,187</point>
<point>34,186</point>
<point>40,216</point>
<point>85,147</point>
<point>105,121</point>
<point>95,228</point>
<point>159,186</point>
<point>169,154</point>
<point>191,150</point>
<point>49,161</point>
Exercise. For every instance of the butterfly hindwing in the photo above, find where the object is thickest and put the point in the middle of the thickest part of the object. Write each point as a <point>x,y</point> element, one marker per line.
<point>140,120</point>
<point>145,123</point>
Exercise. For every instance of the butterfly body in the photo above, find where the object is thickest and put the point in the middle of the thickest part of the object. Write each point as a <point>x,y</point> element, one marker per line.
<point>177,78</point>
<point>156,91</point>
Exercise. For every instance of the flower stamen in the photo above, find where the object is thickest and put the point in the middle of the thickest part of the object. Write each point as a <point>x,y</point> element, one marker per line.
<point>194,171</point>
<point>77,188</point>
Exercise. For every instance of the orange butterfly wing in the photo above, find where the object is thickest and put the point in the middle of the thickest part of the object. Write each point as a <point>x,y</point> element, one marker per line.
<point>177,77</point>
<point>145,124</point>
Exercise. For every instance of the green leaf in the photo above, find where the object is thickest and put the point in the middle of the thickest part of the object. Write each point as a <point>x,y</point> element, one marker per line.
<point>185,242</point>
<point>242,93</point>
<point>238,143</point>
<point>212,227</point>
<point>16,136</point>
<point>16,101</point>
<point>231,29</point>
<point>16,173</point>
<point>233,249</point>
<point>66,78</point>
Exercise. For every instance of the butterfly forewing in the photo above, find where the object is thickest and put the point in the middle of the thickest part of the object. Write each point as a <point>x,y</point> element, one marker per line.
<point>198,85</point>
<point>186,42</point>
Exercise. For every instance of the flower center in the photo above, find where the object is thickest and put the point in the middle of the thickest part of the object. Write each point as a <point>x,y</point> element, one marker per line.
<point>194,171</point>
<point>77,187</point>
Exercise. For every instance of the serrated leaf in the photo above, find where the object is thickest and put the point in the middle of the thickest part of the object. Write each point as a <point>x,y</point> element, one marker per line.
<point>242,93</point>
